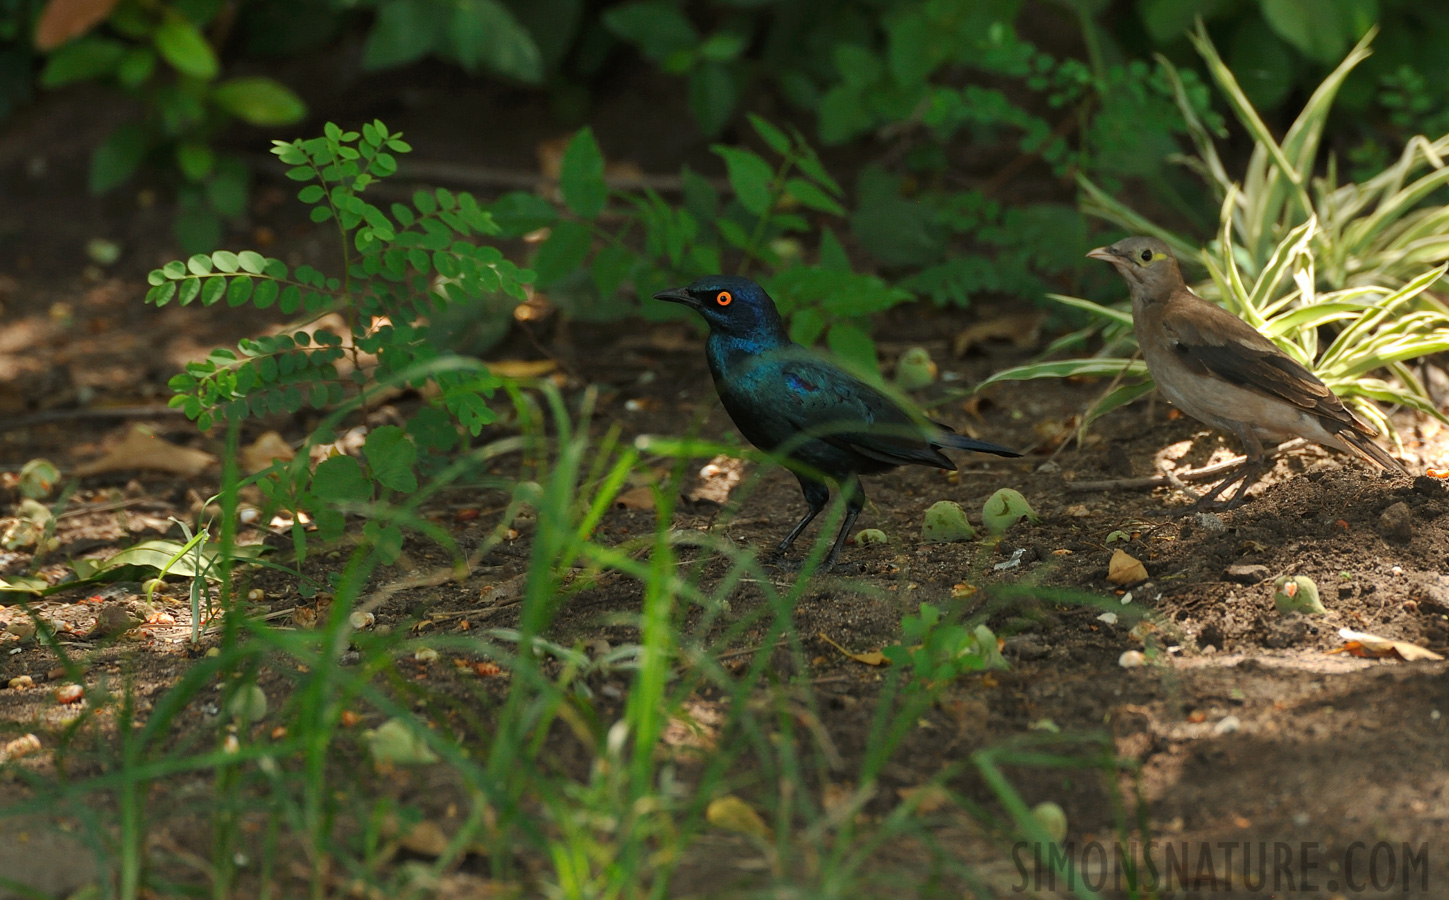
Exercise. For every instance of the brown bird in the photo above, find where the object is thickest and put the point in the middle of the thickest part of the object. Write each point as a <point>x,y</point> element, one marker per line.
<point>1218,369</point>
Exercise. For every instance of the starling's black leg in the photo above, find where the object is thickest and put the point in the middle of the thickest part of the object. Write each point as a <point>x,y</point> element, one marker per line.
<point>817,495</point>
<point>854,496</point>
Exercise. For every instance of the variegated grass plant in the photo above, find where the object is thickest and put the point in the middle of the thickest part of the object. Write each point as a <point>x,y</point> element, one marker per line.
<point>1300,257</point>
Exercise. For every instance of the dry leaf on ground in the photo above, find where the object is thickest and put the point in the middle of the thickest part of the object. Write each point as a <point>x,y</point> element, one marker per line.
<point>265,450</point>
<point>730,813</point>
<point>142,450</point>
<point>869,657</point>
<point>521,368</point>
<point>1371,646</point>
<point>1124,568</point>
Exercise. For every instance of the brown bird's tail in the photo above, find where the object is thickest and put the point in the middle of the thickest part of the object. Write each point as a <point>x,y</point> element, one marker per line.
<point>1365,447</point>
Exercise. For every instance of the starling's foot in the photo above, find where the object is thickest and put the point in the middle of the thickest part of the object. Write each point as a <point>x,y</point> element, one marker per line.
<point>779,562</point>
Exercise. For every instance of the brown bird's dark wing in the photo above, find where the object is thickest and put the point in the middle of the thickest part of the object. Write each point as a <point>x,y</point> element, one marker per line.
<point>1212,341</point>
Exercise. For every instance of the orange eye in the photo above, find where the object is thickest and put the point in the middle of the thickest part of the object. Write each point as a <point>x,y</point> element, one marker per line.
<point>723,298</point>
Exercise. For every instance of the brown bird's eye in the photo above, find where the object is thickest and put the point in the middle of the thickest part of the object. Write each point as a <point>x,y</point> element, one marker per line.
<point>723,298</point>
<point>1147,256</point>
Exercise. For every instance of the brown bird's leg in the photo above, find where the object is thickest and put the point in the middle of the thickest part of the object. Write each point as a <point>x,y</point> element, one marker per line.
<point>1245,476</point>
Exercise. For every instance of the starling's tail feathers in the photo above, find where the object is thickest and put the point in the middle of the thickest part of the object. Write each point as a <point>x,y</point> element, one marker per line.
<point>961,442</point>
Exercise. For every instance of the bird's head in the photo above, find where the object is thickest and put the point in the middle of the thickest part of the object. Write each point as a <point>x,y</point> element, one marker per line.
<point>1146,263</point>
<point>730,304</point>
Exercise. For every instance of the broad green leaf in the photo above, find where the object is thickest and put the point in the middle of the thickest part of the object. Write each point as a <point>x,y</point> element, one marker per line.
<point>115,160</point>
<point>390,457</point>
<point>809,194</point>
<point>581,176</point>
<point>749,176</point>
<point>485,33</point>
<point>776,139</point>
<point>657,27</point>
<point>88,57</point>
<point>853,345</point>
<point>712,97</point>
<point>340,479</point>
<point>183,45</point>
<point>259,101</point>
<point>563,253</point>
<point>404,31</point>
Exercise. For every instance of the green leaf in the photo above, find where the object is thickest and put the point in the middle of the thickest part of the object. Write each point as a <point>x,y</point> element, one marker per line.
<point>893,229</point>
<point>340,479</point>
<point>1066,368</point>
<point>712,97</point>
<point>1166,20</point>
<point>776,139</point>
<point>404,31</point>
<point>657,27</point>
<point>259,101</point>
<point>563,253</point>
<point>853,345</point>
<point>581,176</point>
<point>842,115</point>
<point>88,57</point>
<point>390,456</point>
<point>117,159</point>
<point>749,175</point>
<point>484,32</point>
<point>194,160</point>
<point>387,540</point>
<point>183,45</point>
<point>809,194</point>
<point>1320,29</point>
<point>806,326</point>
<point>136,67</point>
<point>519,212</point>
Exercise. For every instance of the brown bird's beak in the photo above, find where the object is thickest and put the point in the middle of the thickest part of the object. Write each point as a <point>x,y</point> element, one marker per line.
<point>678,295</point>
<point>1103,253</point>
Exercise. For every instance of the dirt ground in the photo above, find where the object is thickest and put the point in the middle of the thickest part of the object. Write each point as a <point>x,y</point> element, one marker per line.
<point>1244,730</point>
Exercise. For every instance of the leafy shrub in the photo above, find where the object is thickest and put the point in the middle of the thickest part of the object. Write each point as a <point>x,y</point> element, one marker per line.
<point>160,54</point>
<point>589,260</point>
<point>402,266</point>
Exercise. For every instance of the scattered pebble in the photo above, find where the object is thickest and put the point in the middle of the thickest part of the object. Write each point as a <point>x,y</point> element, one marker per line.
<point>1109,617</point>
<point>425,655</point>
<point>69,693</point>
<point>1209,522</point>
<point>1397,523</point>
<point>21,682</point>
<point>24,745</point>
<point>1227,725</point>
<point>1131,659</point>
<point>361,620</point>
<point>1246,573</point>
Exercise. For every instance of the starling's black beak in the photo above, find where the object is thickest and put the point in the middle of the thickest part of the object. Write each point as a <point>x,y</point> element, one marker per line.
<point>678,295</point>
<point>1104,253</point>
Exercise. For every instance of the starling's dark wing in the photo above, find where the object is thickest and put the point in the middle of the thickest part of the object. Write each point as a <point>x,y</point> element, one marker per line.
<point>1210,340</point>
<point>826,402</point>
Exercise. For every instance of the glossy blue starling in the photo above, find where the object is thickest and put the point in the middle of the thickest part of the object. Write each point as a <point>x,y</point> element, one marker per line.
<point>827,424</point>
